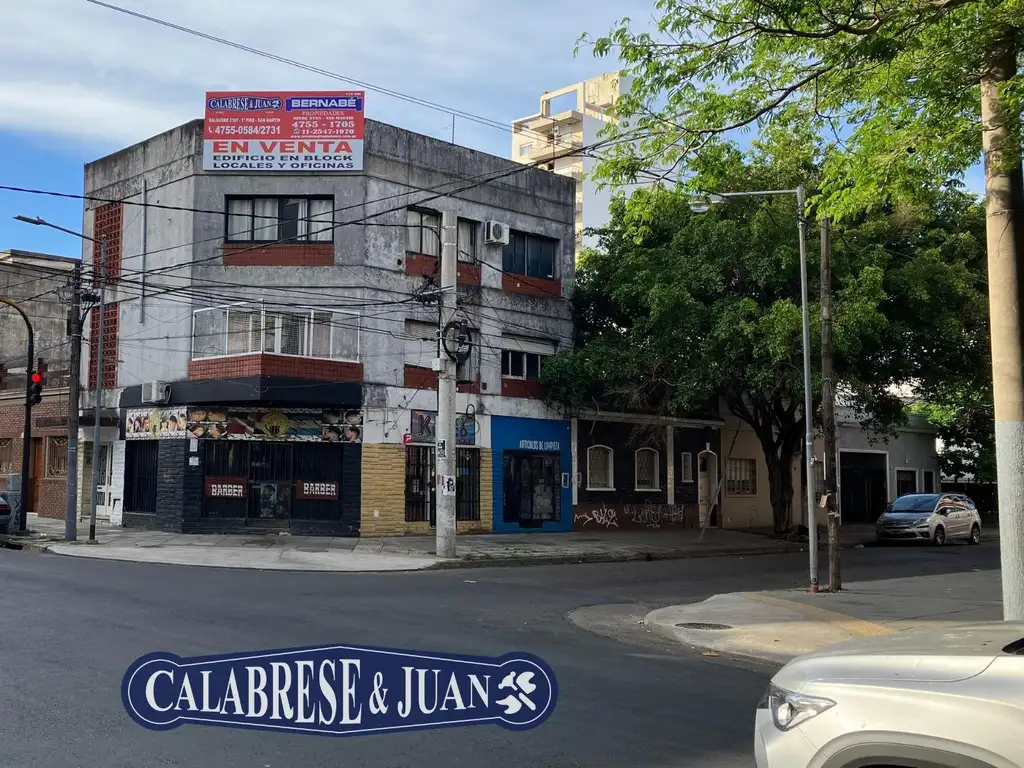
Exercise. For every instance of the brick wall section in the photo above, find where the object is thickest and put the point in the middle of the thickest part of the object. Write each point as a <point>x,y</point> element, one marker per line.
<point>427,266</point>
<point>111,322</point>
<point>383,490</point>
<point>521,388</point>
<point>420,378</point>
<point>170,484</point>
<point>383,494</point>
<point>531,286</point>
<point>50,501</point>
<point>416,377</point>
<point>278,255</point>
<point>275,365</point>
<point>108,223</point>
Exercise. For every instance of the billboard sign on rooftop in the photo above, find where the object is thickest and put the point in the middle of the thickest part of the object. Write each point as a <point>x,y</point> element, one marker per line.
<point>281,131</point>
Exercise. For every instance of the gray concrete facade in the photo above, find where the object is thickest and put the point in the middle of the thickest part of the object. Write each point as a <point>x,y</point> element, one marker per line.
<point>172,265</point>
<point>31,280</point>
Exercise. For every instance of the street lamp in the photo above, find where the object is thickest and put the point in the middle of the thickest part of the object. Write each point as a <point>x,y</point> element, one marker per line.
<point>75,295</point>
<point>705,205</point>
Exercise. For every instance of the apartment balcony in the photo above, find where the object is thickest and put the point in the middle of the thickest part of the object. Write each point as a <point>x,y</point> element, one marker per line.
<point>539,147</point>
<point>257,339</point>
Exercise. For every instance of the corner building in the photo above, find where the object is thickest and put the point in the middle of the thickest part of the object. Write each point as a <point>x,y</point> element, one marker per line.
<point>267,349</point>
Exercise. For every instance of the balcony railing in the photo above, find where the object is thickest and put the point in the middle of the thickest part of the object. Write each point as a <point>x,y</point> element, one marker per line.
<point>539,148</point>
<point>254,328</point>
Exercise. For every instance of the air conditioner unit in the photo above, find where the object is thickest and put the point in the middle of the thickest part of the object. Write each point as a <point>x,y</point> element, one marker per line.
<point>156,392</point>
<point>496,233</point>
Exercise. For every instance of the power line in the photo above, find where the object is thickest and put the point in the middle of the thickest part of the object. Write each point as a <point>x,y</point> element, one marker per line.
<point>319,71</point>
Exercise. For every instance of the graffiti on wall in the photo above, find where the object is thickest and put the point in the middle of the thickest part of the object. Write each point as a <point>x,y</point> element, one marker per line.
<point>647,515</point>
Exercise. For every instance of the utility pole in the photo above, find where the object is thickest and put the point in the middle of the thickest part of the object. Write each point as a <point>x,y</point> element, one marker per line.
<point>812,522</point>
<point>26,435</point>
<point>445,449</point>
<point>1004,193</point>
<point>828,409</point>
<point>101,285</point>
<point>74,399</point>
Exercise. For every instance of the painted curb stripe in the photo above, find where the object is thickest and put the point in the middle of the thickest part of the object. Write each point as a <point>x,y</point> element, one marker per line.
<point>849,623</point>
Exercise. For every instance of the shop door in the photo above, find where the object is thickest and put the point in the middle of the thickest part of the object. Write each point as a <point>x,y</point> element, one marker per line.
<point>270,483</point>
<point>532,488</point>
<point>38,470</point>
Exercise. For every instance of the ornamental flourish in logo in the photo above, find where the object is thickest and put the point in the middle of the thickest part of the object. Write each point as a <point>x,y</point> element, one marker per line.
<point>339,690</point>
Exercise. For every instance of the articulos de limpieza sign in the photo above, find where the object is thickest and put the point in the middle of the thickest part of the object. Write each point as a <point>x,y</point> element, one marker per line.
<point>339,690</point>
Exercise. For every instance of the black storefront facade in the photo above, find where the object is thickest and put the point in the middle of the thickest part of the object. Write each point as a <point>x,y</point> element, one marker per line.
<point>247,455</point>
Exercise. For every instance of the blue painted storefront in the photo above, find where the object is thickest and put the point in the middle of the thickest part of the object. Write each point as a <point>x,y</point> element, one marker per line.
<point>539,437</point>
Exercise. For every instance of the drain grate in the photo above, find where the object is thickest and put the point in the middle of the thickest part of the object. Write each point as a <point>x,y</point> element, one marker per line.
<point>701,625</point>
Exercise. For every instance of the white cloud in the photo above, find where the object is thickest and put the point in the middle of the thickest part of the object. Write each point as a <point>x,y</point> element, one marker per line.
<point>73,69</point>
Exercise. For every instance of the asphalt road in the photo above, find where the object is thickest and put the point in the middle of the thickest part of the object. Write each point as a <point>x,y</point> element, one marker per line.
<point>70,628</point>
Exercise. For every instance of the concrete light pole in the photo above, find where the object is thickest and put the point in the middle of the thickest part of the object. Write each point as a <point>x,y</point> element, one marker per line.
<point>78,319</point>
<point>704,207</point>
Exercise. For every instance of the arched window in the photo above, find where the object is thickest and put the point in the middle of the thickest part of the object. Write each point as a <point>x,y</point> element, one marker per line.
<point>600,465</point>
<point>647,469</point>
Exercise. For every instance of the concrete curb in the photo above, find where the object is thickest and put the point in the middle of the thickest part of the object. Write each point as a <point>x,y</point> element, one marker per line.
<point>665,632</point>
<point>488,562</point>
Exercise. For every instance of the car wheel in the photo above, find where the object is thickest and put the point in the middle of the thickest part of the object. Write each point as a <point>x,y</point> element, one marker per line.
<point>940,536</point>
<point>975,535</point>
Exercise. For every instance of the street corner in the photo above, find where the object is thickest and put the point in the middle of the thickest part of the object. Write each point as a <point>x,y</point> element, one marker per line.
<point>744,625</point>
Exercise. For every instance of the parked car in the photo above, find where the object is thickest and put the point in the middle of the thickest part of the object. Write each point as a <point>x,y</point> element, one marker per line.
<point>5,513</point>
<point>934,517</point>
<point>924,698</point>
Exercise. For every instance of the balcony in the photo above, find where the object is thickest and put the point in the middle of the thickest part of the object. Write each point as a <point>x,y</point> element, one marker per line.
<point>256,339</point>
<point>537,148</point>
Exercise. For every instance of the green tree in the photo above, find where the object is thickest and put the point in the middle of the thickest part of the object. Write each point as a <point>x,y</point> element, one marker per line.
<point>910,94</point>
<point>677,309</point>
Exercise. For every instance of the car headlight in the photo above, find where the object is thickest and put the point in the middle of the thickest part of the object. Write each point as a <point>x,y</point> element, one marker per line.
<point>791,709</point>
<point>922,524</point>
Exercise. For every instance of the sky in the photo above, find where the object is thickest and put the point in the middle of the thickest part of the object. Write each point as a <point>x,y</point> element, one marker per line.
<point>82,81</point>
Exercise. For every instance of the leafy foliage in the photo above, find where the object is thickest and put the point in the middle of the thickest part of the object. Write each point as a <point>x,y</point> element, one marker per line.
<point>676,308</point>
<point>893,84</point>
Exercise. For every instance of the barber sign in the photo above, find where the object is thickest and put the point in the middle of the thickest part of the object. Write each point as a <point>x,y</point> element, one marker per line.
<point>227,487</point>
<point>339,690</point>
<point>316,489</point>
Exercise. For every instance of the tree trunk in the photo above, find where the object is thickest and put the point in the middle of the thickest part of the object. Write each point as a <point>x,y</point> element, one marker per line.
<point>1004,188</point>
<point>780,489</point>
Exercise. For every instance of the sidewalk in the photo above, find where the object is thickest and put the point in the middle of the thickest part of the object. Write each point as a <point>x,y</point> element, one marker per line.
<point>400,553</point>
<point>777,626</point>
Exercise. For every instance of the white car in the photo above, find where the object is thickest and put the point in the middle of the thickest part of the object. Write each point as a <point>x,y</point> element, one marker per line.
<point>932,698</point>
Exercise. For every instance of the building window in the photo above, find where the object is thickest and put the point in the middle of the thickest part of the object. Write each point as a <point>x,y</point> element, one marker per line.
<point>906,481</point>
<point>600,463</point>
<point>56,457</point>
<point>741,477</point>
<point>424,232</point>
<point>467,240</point>
<point>927,477</point>
<point>530,255</point>
<point>246,330</point>
<point>525,149</point>
<point>420,492</point>
<point>6,456</point>
<point>647,470</point>
<point>280,219</point>
<point>521,365</point>
<point>686,467</point>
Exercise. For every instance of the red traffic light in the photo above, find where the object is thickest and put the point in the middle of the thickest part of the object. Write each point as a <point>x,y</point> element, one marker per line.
<point>37,377</point>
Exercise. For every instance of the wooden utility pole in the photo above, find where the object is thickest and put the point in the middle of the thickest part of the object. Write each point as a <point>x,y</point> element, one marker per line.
<point>828,409</point>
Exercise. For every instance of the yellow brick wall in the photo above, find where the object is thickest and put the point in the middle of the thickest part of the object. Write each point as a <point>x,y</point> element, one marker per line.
<point>383,490</point>
<point>383,494</point>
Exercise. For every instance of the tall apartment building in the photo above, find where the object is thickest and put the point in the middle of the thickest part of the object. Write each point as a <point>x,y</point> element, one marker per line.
<point>571,118</point>
<point>268,352</point>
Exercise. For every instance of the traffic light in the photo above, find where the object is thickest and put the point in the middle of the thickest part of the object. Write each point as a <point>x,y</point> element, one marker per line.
<point>35,393</point>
